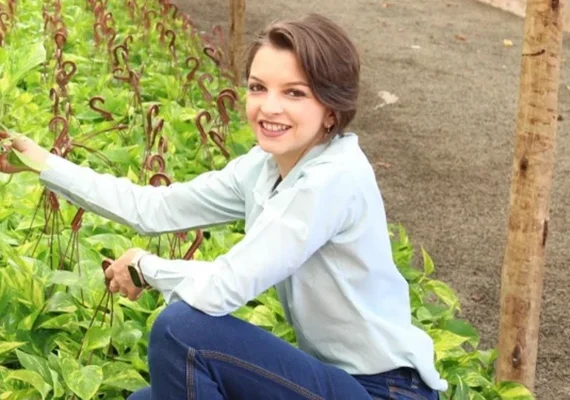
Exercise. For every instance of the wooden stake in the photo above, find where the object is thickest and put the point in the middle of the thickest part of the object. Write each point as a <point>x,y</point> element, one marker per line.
<point>523,264</point>
<point>237,17</point>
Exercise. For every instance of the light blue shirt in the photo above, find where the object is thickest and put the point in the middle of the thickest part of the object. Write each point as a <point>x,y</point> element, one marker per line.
<point>320,237</point>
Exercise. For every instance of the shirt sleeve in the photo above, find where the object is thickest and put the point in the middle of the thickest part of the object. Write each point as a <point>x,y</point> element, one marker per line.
<point>212,198</point>
<point>292,226</point>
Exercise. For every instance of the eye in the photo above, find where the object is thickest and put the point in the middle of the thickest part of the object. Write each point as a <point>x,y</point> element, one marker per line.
<point>255,87</point>
<point>296,93</point>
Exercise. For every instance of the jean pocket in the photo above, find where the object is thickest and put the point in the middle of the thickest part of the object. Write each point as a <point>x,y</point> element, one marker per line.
<point>398,393</point>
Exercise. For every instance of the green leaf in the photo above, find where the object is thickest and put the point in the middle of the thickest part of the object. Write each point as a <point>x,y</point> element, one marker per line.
<point>61,302</point>
<point>32,378</point>
<point>282,329</point>
<point>63,321</point>
<point>262,316</point>
<point>428,263</point>
<point>446,340</point>
<point>461,391</point>
<point>30,57</point>
<point>83,381</point>
<point>123,376</point>
<point>97,337</point>
<point>67,278</point>
<point>463,328</point>
<point>9,346</point>
<point>36,364</point>
<point>444,292</point>
<point>513,391</point>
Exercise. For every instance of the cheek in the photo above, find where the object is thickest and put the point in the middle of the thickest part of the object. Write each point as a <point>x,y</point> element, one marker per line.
<point>250,110</point>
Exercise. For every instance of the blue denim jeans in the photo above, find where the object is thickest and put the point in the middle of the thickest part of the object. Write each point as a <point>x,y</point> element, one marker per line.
<point>194,356</point>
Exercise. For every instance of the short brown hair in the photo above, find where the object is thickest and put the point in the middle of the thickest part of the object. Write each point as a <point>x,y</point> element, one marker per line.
<point>327,56</point>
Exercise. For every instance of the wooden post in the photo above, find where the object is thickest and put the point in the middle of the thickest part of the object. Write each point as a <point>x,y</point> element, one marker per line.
<point>523,264</point>
<point>237,17</point>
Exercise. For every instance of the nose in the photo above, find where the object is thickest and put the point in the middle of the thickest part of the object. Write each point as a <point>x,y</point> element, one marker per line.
<point>271,104</point>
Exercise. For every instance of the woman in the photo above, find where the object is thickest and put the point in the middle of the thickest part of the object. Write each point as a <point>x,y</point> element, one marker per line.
<point>315,228</point>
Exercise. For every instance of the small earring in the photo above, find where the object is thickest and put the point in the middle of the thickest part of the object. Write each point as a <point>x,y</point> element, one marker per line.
<point>328,128</point>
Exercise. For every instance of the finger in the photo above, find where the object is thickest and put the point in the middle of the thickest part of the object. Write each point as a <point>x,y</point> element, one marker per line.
<point>134,295</point>
<point>113,286</point>
<point>109,272</point>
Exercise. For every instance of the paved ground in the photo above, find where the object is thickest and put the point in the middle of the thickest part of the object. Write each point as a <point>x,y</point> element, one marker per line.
<point>448,141</point>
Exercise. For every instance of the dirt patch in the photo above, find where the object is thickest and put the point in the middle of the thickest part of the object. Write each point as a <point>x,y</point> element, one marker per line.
<point>448,141</point>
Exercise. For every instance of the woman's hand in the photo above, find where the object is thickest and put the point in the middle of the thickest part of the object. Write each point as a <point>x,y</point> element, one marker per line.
<point>36,154</point>
<point>119,277</point>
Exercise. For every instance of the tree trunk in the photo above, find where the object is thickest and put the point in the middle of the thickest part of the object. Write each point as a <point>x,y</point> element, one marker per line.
<point>237,17</point>
<point>523,264</point>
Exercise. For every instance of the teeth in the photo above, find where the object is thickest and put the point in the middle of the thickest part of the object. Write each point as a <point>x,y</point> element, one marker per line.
<point>274,127</point>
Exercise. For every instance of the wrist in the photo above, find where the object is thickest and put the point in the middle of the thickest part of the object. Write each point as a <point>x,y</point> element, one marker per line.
<point>135,269</point>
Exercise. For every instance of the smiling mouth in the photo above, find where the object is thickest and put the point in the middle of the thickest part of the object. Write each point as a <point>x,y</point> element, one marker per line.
<point>274,127</point>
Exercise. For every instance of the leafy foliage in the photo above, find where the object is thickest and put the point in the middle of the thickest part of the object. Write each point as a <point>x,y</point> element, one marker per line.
<point>157,118</point>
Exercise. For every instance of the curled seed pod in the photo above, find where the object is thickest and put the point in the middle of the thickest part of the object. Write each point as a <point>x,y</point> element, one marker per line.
<point>218,32</point>
<point>93,104</point>
<point>219,141</point>
<point>60,39</point>
<point>160,179</point>
<point>117,74</point>
<point>222,108</point>
<point>128,41</point>
<point>98,33</point>
<point>194,67</point>
<point>195,245</point>
<point>55,98</point>
<point>155,163</point>
<point>4,19</point>
<point>124,54</point>
<point>162,145</point>
<point>172,44</point>
<point>77,220</point>
<point>200,126</point>
<point>108,21</point>
<point>212,54</point>
<point>147,17</point>
<point>60,127</point>
<point>203,88</point>
<point>161,29</point>
<point>175,8</point>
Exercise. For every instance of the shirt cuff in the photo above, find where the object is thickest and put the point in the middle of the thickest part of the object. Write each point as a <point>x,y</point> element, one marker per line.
<point>158,275</point>
<point>59,173</point>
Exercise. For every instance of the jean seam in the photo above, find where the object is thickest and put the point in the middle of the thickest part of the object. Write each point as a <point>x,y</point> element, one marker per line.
<point>190,383</point>
<point>261,371</point>
<point>405,392</point>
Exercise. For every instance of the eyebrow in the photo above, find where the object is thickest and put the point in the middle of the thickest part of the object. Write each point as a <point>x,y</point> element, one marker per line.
<point>287,84</point>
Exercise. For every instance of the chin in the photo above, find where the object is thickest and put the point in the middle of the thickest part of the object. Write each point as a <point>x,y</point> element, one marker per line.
<point>270,147</point>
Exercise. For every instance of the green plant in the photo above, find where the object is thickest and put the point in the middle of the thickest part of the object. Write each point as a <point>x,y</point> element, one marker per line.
<point>131,89</point>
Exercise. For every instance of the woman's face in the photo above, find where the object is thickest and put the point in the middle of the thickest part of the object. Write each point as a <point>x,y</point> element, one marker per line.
<point>281,108</point>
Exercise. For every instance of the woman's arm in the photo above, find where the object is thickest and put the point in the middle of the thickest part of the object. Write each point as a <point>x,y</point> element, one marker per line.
<point>293,225</point>
<point>211,198</point>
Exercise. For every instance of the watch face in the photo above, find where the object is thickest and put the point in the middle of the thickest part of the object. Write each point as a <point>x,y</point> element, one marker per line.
<point>135,276</point>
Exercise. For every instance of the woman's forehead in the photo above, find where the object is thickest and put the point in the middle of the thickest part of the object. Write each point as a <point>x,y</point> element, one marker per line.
<point>277,65</point>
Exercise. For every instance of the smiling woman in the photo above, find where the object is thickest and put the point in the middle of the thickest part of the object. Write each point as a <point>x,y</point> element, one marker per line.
<point>315,228</point>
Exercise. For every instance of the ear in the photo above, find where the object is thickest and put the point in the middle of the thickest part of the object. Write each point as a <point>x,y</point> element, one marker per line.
<point>330,119</point>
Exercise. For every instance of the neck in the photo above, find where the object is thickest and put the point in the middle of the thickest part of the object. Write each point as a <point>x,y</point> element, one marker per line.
<point>286,162</point>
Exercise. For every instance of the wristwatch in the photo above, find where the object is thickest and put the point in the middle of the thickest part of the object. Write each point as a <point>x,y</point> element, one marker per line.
<point>136,272</point>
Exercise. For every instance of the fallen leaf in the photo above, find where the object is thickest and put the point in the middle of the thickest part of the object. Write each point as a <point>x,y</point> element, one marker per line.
<point>383,164</point>
<point>387,98</point>
<point>460,37</point>
<point>507,43</point>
